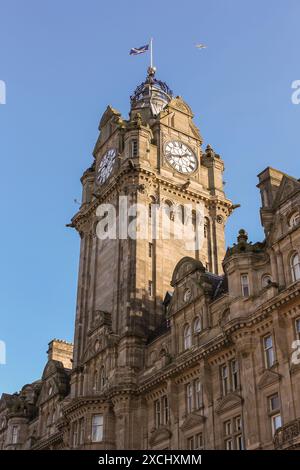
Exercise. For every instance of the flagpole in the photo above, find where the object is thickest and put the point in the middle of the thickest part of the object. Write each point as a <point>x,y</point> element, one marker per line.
<point>151,53</point>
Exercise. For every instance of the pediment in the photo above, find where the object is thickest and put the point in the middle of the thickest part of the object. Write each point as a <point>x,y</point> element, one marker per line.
<point>288,186</point>
<point>180,105</point>
<point>107,115</point>
<point>269,377</point>
<point>160,435</point>
<point>52,367</point>
<point>229,402</point>
<point>184,268</point>
<point>193,420</point>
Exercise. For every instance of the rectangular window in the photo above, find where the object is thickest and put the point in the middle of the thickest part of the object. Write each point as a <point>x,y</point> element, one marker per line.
<point>195,442</point>
<point>190,442</point>
<point>81,431</point>
<point>15,434</point>
<point>297,325</point>
<point>237,424</point>
<point>268,351</point>
<point>276,423</point>
<point>157,413</point>
<point>199,441</point>
<point>198,394</point>
<point>165,409</point>
<point>274,402</point>
<point>224,378</point>
<point>239,445</point>
<point>234,374</point>
<point>150,250</point>
<point>274,409</point>
<point>227,428</point>
<point>134,148</point>
<point>245,285</point>
<point>229,444</point>
<point>161,411</point>
<point>189,398</point>
<point>150,288</point>
<point>97,428</point>
<point>233,434</point>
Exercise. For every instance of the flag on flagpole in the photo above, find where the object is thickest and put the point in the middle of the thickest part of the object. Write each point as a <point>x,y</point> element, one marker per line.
<point>139,50</point>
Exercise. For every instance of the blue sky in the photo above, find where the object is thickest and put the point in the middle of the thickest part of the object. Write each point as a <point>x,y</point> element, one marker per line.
<point>62,63</point>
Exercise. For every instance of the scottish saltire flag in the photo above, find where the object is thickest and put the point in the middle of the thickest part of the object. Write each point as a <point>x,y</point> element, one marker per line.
<point>139,50</point>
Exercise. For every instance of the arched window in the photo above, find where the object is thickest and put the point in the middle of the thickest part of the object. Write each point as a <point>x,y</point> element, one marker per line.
<point>294,220</point>
<point>295,267</point>
<point>266,280</point>
<point>169,210</point>
<point>187,337</point>
<point>197,325</point>
<point>180,214</point>
<point>152,202</point>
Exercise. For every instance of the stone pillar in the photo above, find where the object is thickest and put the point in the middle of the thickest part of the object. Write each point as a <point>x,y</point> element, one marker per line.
<point>245,353</point>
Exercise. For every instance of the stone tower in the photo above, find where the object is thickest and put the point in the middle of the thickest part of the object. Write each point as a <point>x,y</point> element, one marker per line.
<point>152,158</point>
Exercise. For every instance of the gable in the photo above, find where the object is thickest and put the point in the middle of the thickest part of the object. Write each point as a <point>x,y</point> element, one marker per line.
<point>229,402</point>
<point>160,435</point>
<point>179,105</point>
<point>193,420</point>
<point>52,367</point>
<point>107,115</point>
<point>185,267</point>
<point>269,377</point>
<point>287,188</point>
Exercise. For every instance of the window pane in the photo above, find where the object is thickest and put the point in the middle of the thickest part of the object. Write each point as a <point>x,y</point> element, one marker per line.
<point>298,325</point>
<point>245,285</point>
<point>274,402</point>
<point>268,342</point>
<point>276,423</point>
<point>199,441</point>
<point>157,413</point>
<point>97,428</point>
<point>239,442</point>
<point>238,423</point>
<point>189,391</point>
<point>198,392</point>
<point>187,337</point>
<point>228,444</point>
<point>227,426</point>
<point>191,443</point>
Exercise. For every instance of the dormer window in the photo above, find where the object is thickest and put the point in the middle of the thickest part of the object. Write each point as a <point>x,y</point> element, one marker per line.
<point>294,220</point>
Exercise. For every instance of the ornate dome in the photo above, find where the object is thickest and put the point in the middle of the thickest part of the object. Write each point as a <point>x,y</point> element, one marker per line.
<point>152,93</point>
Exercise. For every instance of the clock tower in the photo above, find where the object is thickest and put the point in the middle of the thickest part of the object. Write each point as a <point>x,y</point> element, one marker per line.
<point>152,159</point>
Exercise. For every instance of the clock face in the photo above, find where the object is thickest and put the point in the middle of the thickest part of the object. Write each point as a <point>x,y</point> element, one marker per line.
<point>180,157</point>
<point>106,165</point>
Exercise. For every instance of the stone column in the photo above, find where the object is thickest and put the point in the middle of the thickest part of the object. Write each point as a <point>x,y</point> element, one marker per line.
<point>245,353</point>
